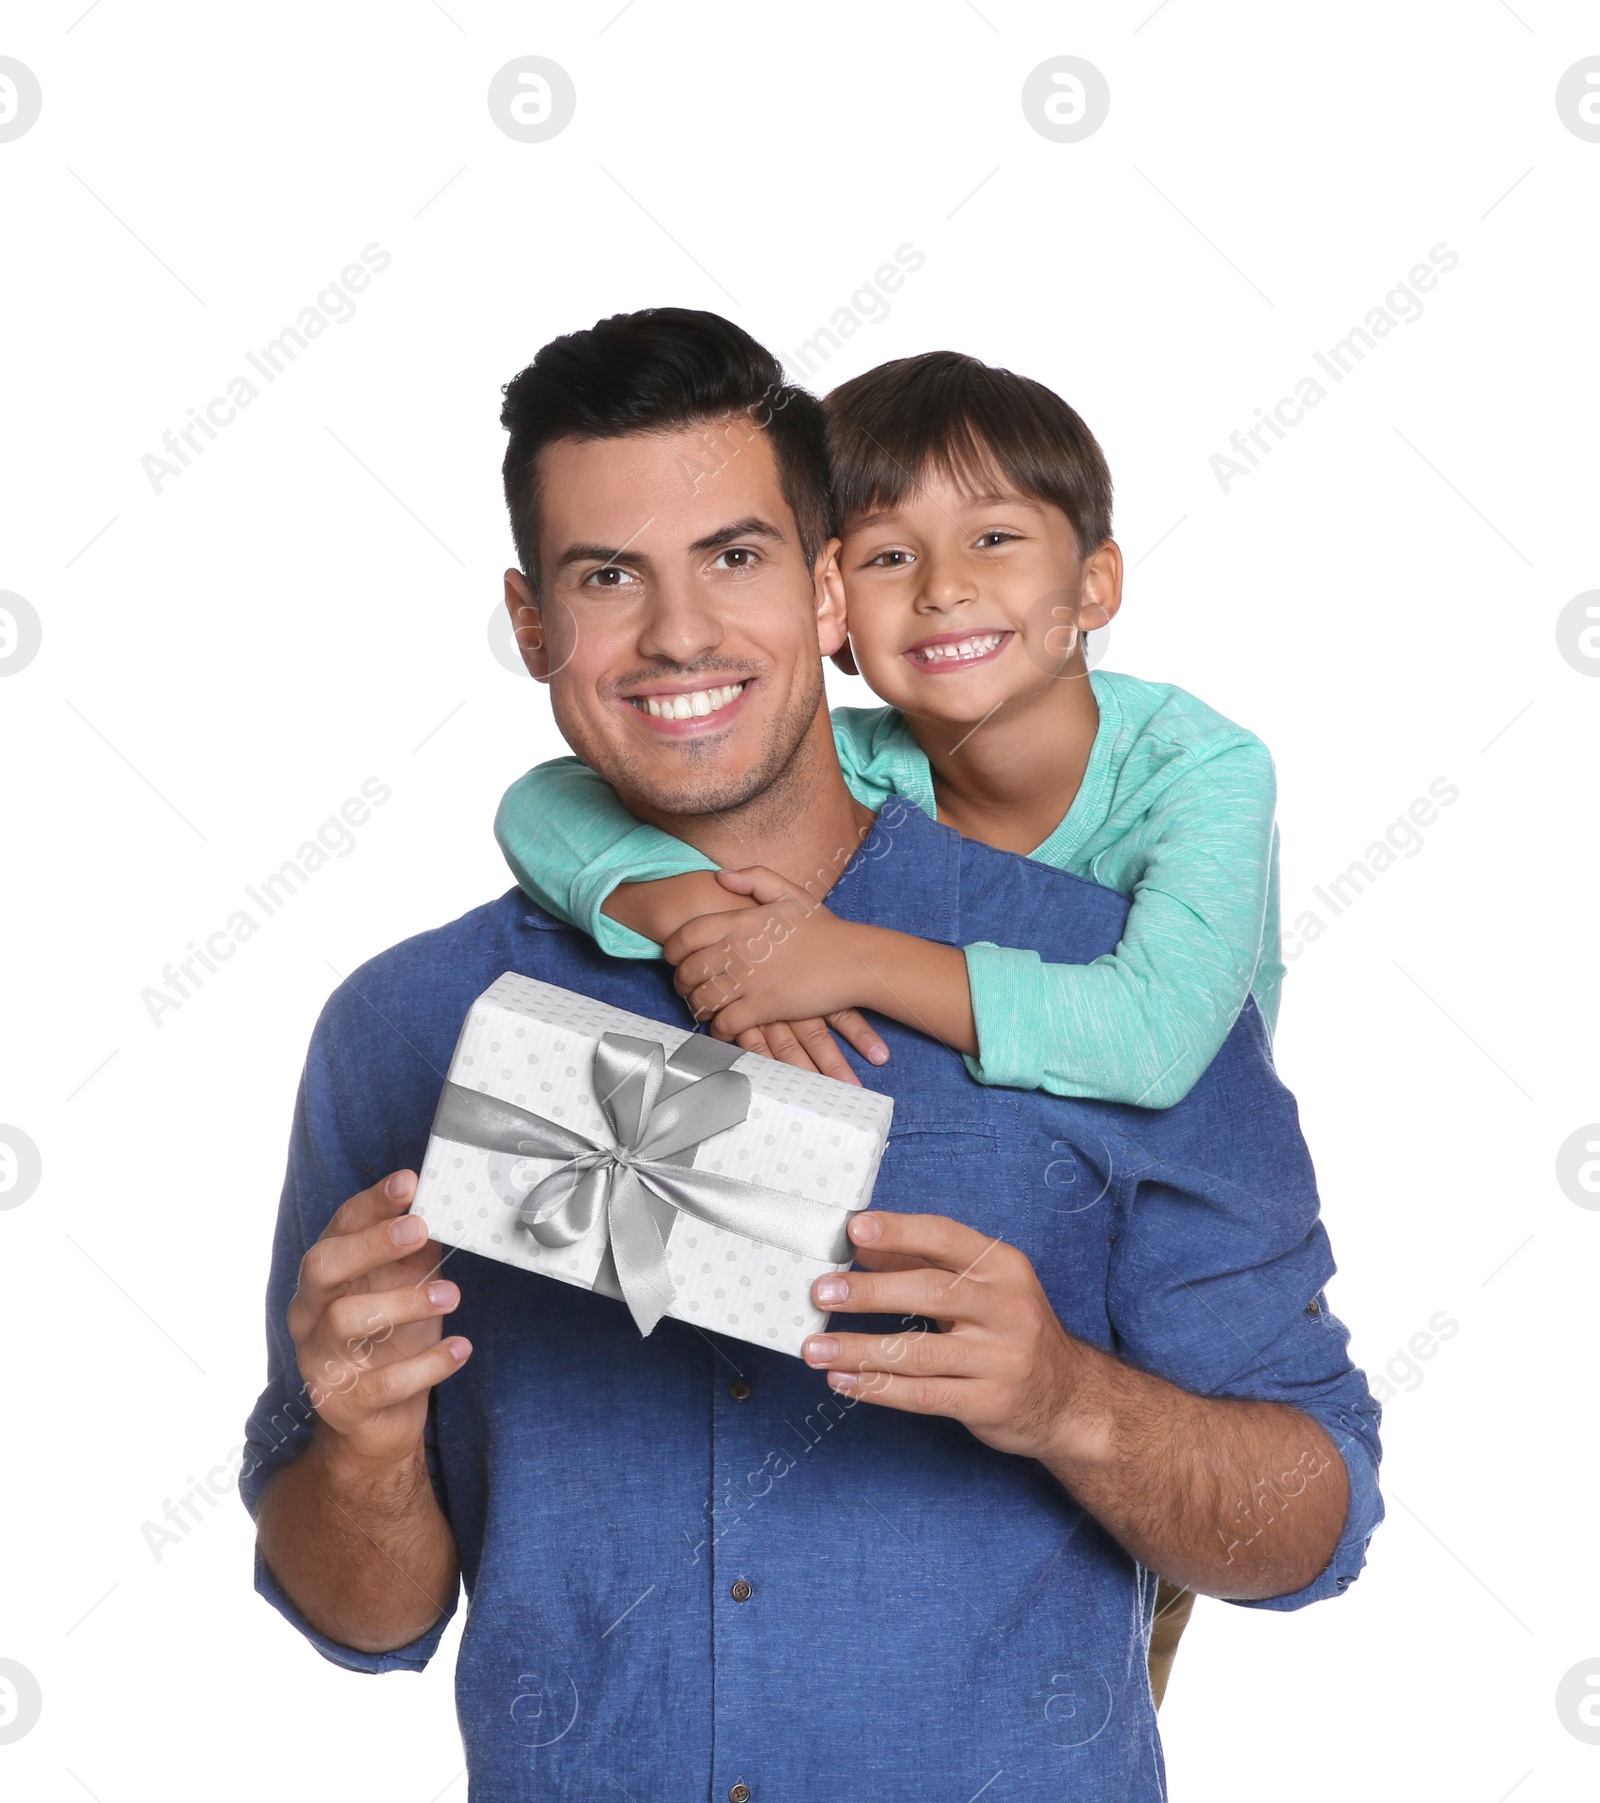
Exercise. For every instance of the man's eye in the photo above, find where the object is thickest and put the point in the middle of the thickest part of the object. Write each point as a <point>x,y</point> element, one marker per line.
<point>608,576</point>
<point>737,557</point>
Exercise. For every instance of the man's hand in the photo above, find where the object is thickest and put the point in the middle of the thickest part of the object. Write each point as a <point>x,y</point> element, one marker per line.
<point>1001,1364</point>
<point>352,1529</point>
<point>366,1323</point>
<point>1177,1479</point>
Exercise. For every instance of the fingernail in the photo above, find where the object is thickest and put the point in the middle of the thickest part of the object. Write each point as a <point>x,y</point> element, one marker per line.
<point>843,1380</point>
<point>820,1348</point>
<point>865,1228</point>
<point>399,1186</point>
<point>441,1293</point>
<point>408,1231</point>
<point>459,1349</point>
<point>879,1054</point>
<point>830,1289</point>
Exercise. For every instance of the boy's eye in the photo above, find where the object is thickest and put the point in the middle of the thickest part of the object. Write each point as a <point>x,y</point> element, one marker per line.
<point>891,560</point>
<point>988,540</point>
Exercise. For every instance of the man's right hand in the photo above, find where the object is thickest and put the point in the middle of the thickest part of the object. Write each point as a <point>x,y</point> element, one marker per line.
<point>367,1325</point>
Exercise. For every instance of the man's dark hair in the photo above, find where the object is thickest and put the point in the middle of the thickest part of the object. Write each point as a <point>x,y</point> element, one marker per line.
<point>947,414</point>
<point>656,371</point>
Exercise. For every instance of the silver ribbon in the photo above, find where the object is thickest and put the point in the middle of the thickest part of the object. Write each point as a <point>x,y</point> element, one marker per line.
<point>660,1109</point>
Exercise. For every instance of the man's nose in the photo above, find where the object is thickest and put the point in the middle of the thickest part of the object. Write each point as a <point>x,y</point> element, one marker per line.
<point>681,624</point>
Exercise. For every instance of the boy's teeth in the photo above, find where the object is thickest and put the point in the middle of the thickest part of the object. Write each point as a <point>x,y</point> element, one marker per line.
<point>693,706</point>
<point>977,646</point>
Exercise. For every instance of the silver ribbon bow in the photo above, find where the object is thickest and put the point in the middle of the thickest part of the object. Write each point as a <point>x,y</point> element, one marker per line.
<point>660,1109</point>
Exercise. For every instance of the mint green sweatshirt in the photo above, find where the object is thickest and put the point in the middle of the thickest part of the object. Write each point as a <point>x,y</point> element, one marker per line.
<point>1175,811</point>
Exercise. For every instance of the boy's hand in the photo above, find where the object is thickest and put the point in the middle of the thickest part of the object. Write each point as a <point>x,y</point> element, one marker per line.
<point>809,1046</point>
<point>785,959</point>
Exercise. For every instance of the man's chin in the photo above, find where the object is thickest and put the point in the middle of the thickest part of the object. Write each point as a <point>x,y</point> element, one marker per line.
<point>695,790</point>
<point>676,778</point>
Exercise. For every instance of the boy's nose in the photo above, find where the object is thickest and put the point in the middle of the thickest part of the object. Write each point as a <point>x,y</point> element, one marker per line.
<point>943,590</point>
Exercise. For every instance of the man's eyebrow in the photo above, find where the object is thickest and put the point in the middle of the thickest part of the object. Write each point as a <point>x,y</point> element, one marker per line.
<point>751,527</point>
<point>600,554</point>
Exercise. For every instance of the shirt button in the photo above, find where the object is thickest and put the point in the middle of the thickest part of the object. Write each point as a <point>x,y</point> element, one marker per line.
<point>739,1390</point>
<point>741,1593</point>
<point>740,1793</point>
<point>1313,1308</point>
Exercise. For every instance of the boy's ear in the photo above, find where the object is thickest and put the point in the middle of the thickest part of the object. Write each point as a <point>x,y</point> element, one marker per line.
<point>1102,587</point>
<point>845,659</point>
<point>527,626</point>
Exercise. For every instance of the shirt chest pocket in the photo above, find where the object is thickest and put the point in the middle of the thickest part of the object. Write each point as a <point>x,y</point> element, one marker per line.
<point>964,1163</point>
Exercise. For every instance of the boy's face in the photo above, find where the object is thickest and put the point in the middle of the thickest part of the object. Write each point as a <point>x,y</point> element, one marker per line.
<point>680,627</point>
<point>958,602</point>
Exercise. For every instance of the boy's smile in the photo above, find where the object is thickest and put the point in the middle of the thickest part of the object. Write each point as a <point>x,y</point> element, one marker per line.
<point>949,651</point>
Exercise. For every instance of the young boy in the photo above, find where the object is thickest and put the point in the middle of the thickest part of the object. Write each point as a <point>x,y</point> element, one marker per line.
<point>976,552</point>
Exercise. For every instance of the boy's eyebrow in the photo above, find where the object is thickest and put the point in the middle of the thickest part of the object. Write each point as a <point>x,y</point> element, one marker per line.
<point>1010,497</point>
<point>752,526</point>
<point>1000,498</point>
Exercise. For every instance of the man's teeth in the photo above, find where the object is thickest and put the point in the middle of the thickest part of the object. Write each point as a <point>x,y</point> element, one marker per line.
<point>979,645</point>
<point>693,706</point>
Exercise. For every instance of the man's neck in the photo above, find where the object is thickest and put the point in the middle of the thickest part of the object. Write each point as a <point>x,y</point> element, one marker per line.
<point>806,825</point>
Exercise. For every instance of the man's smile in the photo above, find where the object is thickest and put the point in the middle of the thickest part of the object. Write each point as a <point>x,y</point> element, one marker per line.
<point>682,712</point>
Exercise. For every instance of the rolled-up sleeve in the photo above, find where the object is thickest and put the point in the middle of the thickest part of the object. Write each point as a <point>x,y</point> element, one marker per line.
<point>1219,1287</point>
<point>325,1168</point>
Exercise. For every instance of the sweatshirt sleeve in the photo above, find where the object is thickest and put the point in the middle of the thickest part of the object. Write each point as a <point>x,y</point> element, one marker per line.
<point>1141,1024</point>
<point>570,842</point>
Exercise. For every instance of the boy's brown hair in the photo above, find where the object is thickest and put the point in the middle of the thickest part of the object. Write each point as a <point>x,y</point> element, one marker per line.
<point>948,414</point>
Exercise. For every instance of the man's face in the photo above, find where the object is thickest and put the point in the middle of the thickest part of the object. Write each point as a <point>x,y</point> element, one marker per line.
<point>681,628</point>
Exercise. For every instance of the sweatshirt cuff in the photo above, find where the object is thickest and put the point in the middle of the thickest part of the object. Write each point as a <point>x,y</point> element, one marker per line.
<point>1005,983</point>
<point>638,858</point>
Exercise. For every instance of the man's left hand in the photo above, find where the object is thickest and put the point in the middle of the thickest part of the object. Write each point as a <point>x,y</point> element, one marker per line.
<point>1002,1364</point>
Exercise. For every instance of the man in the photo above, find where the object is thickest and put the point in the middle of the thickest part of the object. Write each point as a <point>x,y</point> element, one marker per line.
<point>695,1570</point>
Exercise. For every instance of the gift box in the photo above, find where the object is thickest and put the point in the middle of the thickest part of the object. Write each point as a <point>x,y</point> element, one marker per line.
<point>648,1163</point>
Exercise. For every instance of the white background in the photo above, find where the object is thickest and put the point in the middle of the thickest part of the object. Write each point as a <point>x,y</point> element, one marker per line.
<point>307,606</point>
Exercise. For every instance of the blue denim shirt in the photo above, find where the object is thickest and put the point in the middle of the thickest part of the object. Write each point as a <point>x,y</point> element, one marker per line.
<point>690,1565</point>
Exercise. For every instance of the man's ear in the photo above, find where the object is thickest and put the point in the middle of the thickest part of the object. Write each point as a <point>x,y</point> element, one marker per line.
<point>1102,587</point>
<point>832,639</point>
<point>527,626</point>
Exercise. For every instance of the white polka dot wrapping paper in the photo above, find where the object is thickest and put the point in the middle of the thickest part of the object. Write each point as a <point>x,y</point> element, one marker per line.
<point>532,1044</point>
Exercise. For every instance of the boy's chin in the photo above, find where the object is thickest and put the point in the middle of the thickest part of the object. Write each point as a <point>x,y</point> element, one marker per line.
<point>971,708</point>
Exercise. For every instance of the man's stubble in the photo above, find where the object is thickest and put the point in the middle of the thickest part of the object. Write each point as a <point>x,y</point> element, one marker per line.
<point>770,794</point>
